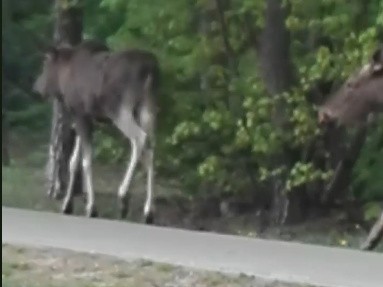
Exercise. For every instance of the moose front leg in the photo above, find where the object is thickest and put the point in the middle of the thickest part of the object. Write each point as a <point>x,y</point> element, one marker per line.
<point>87,168</point>
<point>147,160</point>
<point>67,207</point>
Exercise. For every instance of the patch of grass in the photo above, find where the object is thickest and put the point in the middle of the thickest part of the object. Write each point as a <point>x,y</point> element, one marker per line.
<point>120,274</point>
<point>24,187</point>
<point>145,263</point>
<point>24,182</point>
<point>6,270</point>
<point>19,266</point>
<point>162,267</point>
<point>59,268</point>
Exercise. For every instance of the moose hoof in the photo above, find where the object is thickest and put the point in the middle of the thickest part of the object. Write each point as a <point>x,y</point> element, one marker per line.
<point>91,213</point>
<point>68,208</point>
<point>149,218</point>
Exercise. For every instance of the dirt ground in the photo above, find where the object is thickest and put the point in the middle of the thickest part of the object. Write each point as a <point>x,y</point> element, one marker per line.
<point>32,267</point>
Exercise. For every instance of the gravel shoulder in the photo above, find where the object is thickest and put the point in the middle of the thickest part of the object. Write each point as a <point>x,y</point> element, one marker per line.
<point>35,267</point>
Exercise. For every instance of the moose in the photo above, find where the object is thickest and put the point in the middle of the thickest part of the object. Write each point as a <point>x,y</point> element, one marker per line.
<point>95,84</point>
<point>360,96</point>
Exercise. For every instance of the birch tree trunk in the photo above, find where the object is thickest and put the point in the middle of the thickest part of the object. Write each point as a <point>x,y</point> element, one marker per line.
<point>67,30</point>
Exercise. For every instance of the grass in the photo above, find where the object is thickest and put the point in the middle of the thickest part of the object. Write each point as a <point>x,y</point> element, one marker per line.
<point>23,186</point>
<point>31,267</point>
<point>24,182</point>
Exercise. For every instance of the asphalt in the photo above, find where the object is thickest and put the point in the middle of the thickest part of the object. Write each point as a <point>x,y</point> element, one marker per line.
<point>268,259</point>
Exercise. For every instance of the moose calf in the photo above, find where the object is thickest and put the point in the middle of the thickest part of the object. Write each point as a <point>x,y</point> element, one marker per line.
<point>95,84</point>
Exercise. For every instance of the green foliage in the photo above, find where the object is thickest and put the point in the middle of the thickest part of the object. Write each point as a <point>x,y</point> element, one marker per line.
<point>24,24</point>
<point>223,130</point>
<point>34,117</point>
<point>368,180</point>
<point>372,211</point>
<point>217,129</point>
<point>109,148</point>
<point>302,173</point>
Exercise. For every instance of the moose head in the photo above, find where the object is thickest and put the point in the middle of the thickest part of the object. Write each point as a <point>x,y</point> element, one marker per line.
<point>361,94</point>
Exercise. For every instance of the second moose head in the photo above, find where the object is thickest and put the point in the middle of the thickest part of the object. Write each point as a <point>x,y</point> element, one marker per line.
<point>360,95</point>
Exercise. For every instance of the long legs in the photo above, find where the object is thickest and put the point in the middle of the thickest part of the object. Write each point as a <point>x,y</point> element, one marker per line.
<point>83,141</point>
<point>138,139</point>
<point>87,168</point>
<point>147,122</point>
<point>67,206</point>
<point>148,163</point>
<point>142,144</point>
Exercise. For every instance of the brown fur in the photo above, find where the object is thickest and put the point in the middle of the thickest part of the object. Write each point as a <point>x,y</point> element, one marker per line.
<point>93,81</point>
<point>360,95</point>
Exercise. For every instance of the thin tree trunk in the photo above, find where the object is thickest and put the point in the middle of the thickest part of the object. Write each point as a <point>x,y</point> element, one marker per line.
<point>6,160</point>
<point>4,125</point>
<point>276,70</point>
<point>67,30</point>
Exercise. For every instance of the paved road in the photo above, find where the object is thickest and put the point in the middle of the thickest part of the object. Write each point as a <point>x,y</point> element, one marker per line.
<point>268,259</point>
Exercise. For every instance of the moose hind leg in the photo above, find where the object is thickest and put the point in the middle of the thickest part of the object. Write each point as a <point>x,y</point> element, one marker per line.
<point>128,126</point>
<point>67,207</point>
<point>87,168</point>
<point>84,128</point>
<point>148,163</point>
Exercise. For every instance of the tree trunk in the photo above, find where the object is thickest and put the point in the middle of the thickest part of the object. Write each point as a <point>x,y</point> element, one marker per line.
<point>6,160</point>
<point>276,71</point>
<point>67,30</point>
<point>4,125</point>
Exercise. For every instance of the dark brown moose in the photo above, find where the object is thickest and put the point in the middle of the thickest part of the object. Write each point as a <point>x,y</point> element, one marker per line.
<point>360,96</point>
<point>96,84</point>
